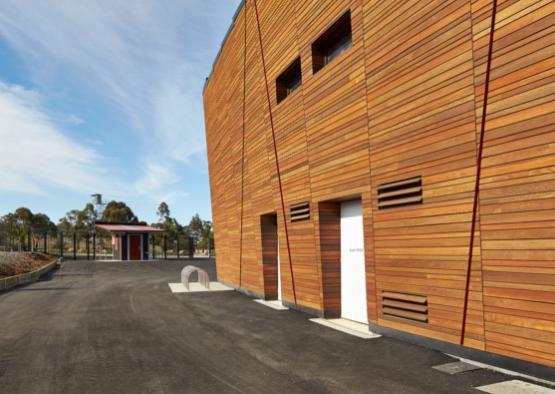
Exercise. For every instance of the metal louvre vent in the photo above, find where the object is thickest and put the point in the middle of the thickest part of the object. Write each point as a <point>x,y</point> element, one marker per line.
<point>300,212</point>
<point>405,306</point>
<point>400,193</point>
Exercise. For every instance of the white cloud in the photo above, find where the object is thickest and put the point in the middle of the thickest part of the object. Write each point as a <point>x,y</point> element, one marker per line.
<point>35,154</point>
<point>150,58</point>
<point>71,118</point>
<point>159,183</point>
<point>146,59</point>
<point>154,178</point>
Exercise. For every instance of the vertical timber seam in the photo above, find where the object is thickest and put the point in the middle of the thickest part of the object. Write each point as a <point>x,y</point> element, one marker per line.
<point>313,208</point>
<point>478,171</point>
<point>243,150</point>
<point>275,152</point>
<point>376,289</point>
<point>476,101</point>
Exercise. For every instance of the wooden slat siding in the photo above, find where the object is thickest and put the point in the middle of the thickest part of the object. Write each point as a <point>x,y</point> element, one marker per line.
<point>256,177</point>
<point>369,252</point>
<point>243,204</point>
<point>335,116</point>
<point>516,203</point>
<point>367,205</point>
<point>330,254</point>
<point>235,151</point>
<point>420,102</point>
<point>481,40</point>
<point>262,192</point>
<point>404,101</point>
<point>225,99</point>
<point>281,48</point>
<point>335,105</point>
<point>264,135</point>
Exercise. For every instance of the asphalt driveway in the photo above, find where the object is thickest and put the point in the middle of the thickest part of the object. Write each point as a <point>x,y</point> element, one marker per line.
<point>116,327</point>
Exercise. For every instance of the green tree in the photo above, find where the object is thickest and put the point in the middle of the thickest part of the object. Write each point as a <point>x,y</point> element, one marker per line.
<point>65,225</point>
<point>23,223</point>
<point>79,220</point>
<point>9,223</point>
<point>163,212</point>
<point>195,227</point>
<point>24,217</point>
<point>172,229</point>
<point>42,223</point>
<point>118,212</point>
<point>207,236</point>
<point>4,235</point>
<point>16,226</point>
<point>201,232</point>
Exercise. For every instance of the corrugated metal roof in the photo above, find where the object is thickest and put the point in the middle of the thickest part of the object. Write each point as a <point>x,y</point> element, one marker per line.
<point>224,40</point>
<point>129,228</point>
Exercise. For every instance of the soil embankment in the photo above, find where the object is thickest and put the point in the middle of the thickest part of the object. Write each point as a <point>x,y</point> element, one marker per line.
<point>16,263</point>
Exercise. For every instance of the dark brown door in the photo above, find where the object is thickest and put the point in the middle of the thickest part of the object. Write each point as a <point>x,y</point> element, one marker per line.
<point>135,247</point>
<point>270,257</point>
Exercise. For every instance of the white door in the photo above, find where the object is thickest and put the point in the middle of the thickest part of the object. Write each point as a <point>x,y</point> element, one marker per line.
<point>353,272</point>
<point>278,273</point>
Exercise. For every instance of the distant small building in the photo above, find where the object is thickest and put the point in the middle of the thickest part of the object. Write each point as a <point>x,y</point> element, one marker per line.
<point>129,241</point>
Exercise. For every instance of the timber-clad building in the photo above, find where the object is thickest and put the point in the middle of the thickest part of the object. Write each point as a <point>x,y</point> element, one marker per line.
<point>392,163</point>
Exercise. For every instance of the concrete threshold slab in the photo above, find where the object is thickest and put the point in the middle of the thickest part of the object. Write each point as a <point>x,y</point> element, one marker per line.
<point>196,287</point>
<point>456,367</point>
<point>348,327</point>
<point>515,387</point>
<point>274,304</point>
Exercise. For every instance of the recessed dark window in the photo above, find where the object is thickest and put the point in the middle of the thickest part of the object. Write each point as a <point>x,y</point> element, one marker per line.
<point>336,40</point>
<point>289,80</point>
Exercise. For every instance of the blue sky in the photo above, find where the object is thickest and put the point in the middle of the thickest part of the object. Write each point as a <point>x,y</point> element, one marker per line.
<point>105,96</point>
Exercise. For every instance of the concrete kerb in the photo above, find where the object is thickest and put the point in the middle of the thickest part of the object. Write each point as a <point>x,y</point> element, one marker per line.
<point>29,277</point>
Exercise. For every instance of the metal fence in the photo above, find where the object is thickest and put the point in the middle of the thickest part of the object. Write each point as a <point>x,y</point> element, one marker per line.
<point>177,246</point>
<point>98,245</point>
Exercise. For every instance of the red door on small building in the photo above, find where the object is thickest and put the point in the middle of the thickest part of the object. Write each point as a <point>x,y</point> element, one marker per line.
<point>134,247</point>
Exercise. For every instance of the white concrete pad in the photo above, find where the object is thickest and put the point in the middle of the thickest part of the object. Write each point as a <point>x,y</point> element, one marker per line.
<point>275,304</point>
<point>515,387</point>
<point>196,287</point>
<point>348,327</point>
<point>456,367</point>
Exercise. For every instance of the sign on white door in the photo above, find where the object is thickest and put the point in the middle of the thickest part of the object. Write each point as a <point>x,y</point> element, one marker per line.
<point>353,271</point>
